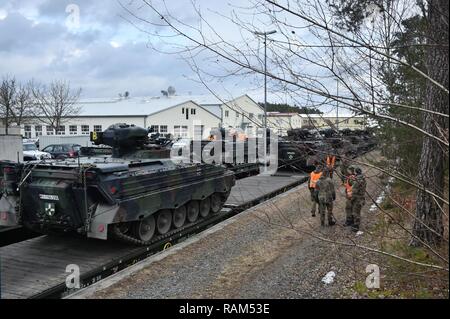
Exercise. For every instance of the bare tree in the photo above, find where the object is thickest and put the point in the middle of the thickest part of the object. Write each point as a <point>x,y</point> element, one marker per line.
<point>16,106</point>
<point>7,96</point>
<point>306,57</point>
<point>55,104</point>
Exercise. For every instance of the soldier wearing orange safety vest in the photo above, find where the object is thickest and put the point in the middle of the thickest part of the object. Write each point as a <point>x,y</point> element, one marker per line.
<point>348,184</point>
<point>312,182</point>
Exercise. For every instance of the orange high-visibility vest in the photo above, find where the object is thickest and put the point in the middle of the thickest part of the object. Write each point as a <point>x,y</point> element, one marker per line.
<point>348,187</point>
<point>331,160</point>
<point>314,177</point>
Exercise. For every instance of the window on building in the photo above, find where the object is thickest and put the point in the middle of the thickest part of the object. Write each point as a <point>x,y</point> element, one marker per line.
<point>180,131</point>
<point>61,130</point>
<point>187,113</point>
<point>73,130</point>
<point>237,114</point>
<point>251,115</point>
<point>97,128</point>
<point>184,131</point>
<point>193,111</point>
<point>182,110</point>
<point>346,121</point>
<point>85,129</point>
<point>27,130</point>
<point>38,130</point>
<point>260,116</point>
<point>177,131</point>
<point>49,130</point>
<point>227,113</point>
<point>163,129</point>
<point>155,128</point>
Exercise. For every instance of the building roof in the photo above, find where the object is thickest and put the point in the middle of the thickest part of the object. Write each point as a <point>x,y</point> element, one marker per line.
<point>280,114</point>
<point>144,106</point>
<point>136,106</point>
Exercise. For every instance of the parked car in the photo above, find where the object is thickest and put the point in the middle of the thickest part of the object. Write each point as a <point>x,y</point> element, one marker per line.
<point>61,151</point>
<point>32,153</point>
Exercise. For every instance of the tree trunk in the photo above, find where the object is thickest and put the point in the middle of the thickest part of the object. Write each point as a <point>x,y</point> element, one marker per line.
<point>432,160</point>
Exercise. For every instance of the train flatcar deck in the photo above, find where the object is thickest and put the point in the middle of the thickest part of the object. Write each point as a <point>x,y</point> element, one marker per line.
<point>36,268</point>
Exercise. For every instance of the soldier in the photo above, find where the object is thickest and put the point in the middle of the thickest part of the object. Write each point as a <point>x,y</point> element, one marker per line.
<point>348,184</point>
<point>313,178</point>
<point>358,198</point>
<point>326,195</point>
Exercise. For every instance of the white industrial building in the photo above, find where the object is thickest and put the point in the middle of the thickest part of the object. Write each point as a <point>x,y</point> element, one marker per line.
<point>186,116</point>
<point>345,119</point>
<point>177,115</point>
<point>283,122</point>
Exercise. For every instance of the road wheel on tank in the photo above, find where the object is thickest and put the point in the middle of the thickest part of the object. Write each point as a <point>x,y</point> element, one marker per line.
<point>179,216</point>
<point>193,210</point>
<point>145,228</point>
<point>205,207</point>
<point>164,221</point>
<point>216,203</point>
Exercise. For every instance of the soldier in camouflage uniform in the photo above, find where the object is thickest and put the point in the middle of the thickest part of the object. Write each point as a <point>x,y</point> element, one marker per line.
<point>348,184</point>
<point>358,197</point>
<point>326,195</point>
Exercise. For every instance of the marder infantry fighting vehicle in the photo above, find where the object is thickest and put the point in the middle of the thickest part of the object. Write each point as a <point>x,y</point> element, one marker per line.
<point>127,195</point>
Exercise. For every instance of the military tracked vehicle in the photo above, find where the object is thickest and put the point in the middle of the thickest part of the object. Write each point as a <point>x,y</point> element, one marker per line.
<point>130,195</point>
<point>233,145</point>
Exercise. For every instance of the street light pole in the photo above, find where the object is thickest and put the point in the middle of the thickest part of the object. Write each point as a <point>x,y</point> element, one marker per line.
<point>265,34</point>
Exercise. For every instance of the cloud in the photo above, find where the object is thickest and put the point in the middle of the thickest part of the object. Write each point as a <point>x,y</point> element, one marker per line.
<point>105,55</point>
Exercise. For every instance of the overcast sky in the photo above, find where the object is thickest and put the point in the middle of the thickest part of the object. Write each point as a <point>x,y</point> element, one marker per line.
<point>101,52</point>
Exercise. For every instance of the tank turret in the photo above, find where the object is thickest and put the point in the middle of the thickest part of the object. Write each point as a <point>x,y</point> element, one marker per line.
<point>123,138</point>
<point>130,141</point>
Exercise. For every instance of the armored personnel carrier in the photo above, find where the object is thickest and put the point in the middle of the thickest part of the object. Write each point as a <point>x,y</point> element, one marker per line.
<point>131,195</point>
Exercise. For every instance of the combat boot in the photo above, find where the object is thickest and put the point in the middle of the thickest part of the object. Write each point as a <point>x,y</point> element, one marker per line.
<point>348,222</point>
<point>331,222</point>
<point>313,214</point>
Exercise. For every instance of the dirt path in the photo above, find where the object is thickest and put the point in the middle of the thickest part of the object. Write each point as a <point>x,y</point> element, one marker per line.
<point>270,251</point>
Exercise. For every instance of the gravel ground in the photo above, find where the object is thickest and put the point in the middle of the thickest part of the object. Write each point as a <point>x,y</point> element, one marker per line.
<point>270,251</point>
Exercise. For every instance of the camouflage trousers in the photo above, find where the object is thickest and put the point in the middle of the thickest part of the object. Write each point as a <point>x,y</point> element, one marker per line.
<point>328,208</point>
<point>353,210</point>
<point>313,201</point>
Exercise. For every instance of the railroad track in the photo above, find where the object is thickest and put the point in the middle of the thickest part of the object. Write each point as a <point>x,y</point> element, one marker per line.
<point>36,268</point>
